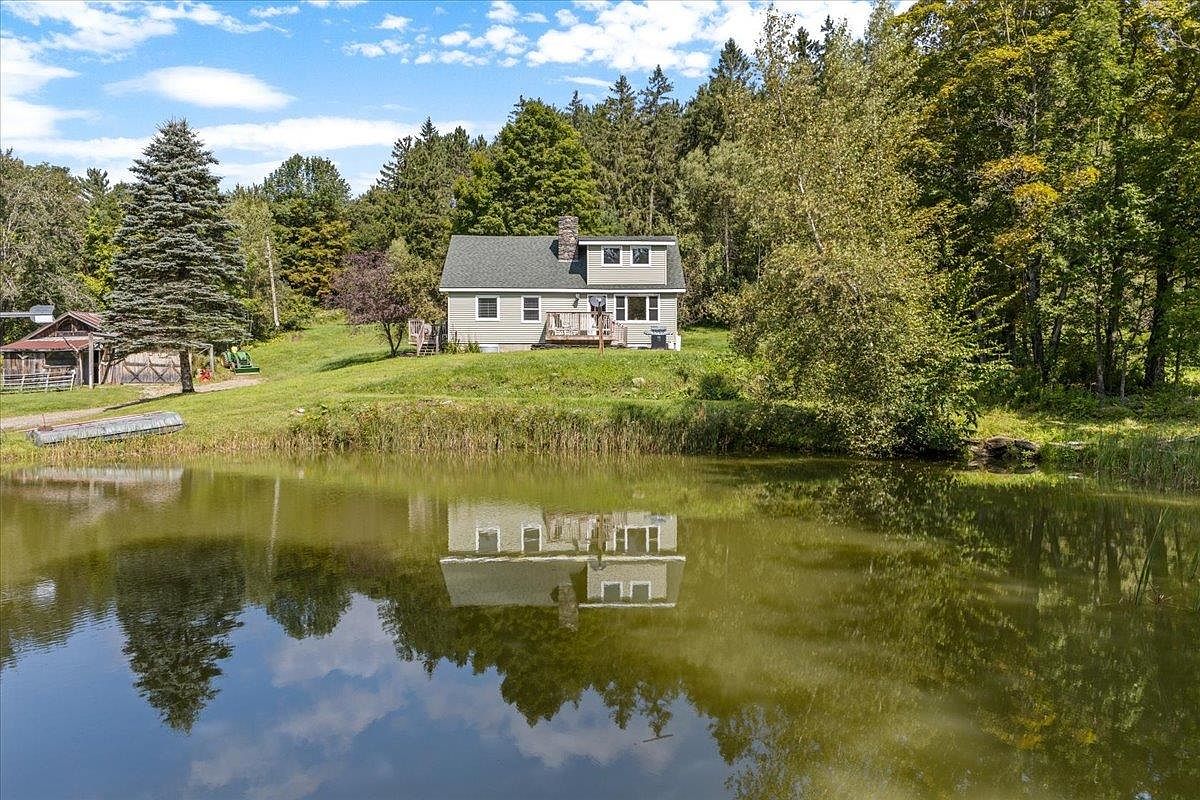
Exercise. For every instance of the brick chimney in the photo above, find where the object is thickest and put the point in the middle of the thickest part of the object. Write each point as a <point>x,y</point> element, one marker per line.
<point>568,238</point>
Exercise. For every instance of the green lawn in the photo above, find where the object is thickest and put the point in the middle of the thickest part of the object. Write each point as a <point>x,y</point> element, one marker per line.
<point>1044,426</point>
<point>331,363</point>
<point>19,405</point>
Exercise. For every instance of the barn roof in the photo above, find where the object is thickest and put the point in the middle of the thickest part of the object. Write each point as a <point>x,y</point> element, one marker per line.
<point>45,338</point>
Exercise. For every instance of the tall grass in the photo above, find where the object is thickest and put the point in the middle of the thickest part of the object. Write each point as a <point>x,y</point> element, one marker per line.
<point>677,428</point>
<point>1145,460</point>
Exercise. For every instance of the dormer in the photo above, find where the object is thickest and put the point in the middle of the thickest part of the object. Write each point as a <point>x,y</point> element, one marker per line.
<point>624,260</point>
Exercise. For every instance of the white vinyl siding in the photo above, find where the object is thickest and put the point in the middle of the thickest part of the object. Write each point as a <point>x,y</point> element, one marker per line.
<point>510,331</point>
<point>626,273</point>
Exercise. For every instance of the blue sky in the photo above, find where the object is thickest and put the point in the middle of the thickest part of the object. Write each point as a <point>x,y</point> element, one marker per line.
<point>86,83</point>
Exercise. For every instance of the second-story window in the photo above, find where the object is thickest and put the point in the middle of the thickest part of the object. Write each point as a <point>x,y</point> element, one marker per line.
<point>612,255</point>
<point>641,255</point>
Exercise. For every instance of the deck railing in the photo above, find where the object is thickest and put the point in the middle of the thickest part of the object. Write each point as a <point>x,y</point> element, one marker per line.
<point>38,382</point>
<point>580,327</point>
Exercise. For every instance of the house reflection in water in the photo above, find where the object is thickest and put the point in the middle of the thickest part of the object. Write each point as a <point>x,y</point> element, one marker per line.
<point>510,555</point>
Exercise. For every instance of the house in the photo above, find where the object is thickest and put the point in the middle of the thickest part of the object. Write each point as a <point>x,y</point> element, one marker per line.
<point>519,292</point>
<point>75,342</point>
<point>503,554</point>
<point>79,342</point>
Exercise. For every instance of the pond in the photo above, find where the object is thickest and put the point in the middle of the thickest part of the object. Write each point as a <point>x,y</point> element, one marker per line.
<point>690,628</point>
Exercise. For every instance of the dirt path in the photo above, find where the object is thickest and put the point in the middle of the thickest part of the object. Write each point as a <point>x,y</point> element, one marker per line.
<point>80,414</point>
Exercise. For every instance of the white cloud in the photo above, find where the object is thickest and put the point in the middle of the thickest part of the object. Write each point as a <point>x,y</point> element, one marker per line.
<point>424,58</point>
<point>503,39</point>
<point>206,86</point>
<point>22,70</point>
<point>21,120</point>
<point>384,47</point>
<point>107,149</point>
<point>24,74</point>
<point>113,29</point>
<point>586,81</point>
<point>502,11</point>
<point>461,57</point>
<point>270,12</point>
<point>455,39</point>
<point>309,135</point>
<point>335,3</point>
<point>506,39</point>
<point>637,36</point>
<point>394,22</point>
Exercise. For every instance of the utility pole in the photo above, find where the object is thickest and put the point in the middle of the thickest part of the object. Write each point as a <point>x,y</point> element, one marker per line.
<point>271,274</point>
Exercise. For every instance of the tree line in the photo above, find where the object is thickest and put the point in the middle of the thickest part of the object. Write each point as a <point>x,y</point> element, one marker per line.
<point>971,194</point>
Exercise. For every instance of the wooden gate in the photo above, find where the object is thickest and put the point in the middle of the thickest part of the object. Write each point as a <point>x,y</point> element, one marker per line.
<point>150,368</point>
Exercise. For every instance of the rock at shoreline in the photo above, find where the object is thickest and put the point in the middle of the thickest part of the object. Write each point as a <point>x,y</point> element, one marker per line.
<point>1008,450</point>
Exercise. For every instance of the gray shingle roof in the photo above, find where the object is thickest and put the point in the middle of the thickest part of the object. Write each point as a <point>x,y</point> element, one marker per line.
<point>602,239</point>
<point>530,262</point>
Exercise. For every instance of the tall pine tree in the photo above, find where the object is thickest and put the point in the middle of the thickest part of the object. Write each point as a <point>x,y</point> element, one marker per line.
<point>537,171</point>
<point>177,264</point>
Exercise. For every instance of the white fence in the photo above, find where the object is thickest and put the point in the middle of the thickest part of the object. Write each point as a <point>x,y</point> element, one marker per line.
<point>38,382</point>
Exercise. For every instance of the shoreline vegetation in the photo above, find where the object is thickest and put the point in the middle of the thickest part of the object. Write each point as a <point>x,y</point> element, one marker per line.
<point>326,390</point>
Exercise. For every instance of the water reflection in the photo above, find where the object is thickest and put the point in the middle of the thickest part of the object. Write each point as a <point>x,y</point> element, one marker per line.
<point>846,629</point>
<point>521,555</point>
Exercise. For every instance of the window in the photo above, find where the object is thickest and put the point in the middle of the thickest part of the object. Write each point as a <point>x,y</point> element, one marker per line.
<point>637,308</point>
<point>641,255</point>
<point>487,540</point>
<point>635,541</point>
<point>612,255</point>
<point>639,591</point>
<point>652,539</point>
<point>610,591</point>
<point>487,308</point>
<point>531,309</point>
<point>531,539</point>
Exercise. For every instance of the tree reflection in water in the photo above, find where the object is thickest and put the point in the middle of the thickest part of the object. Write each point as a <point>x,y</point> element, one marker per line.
<point>847,629</point>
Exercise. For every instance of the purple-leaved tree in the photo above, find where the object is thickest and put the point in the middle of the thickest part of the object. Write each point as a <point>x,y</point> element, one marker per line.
<point>368,291</point>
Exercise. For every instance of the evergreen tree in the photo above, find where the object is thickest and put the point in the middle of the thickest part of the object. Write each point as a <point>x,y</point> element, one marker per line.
<point>412,198</point>
<point>660,118</point>
<point>618,144</point>
<point>177,268</point>
<point>706,118</point>
<point>537,171</point>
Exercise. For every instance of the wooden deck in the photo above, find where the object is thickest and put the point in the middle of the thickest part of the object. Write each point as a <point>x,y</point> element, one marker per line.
<point>580,328</point>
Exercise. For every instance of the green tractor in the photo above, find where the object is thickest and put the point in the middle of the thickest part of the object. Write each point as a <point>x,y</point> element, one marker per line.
<point>238,361</point>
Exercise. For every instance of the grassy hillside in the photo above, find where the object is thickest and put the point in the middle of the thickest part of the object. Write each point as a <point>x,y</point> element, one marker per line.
<point>331,365</point>
<point>331,386</point>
